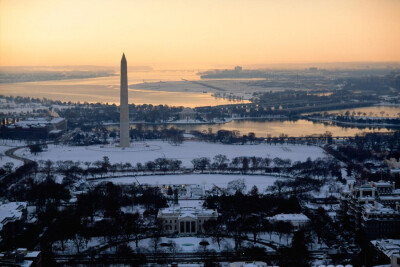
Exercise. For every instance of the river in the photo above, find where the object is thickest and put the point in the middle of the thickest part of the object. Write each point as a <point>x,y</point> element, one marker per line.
<point>273,128</point>
<point>106,90</point>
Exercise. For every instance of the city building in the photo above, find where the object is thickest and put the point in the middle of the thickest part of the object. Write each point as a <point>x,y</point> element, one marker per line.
<point>395,259</point>
<point>380,221</point>
<point>34,128</point>
<point>373,207</point>
<point>298,220</point>
<point>184,191</point>
<point>21,257</point>
<point>238,68</point>
<point>393,163</point>
<point>185,220</point>
<point>248,264</point>
<point>387,194</point>
<point>12,216</point>
<point>390,249</point>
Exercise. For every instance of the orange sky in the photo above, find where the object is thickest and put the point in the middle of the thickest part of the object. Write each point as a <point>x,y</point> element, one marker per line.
<point>197,33</point>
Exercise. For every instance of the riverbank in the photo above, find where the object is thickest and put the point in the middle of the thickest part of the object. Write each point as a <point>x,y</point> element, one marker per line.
<point>355,123</point>
<point>215,121</point>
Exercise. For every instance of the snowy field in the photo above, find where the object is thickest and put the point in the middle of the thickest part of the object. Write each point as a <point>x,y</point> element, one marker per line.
<point>181,245</point>
<point>189,244</point>
<point>6,145</point>
<point>206,180</point>
<point>143,152</point>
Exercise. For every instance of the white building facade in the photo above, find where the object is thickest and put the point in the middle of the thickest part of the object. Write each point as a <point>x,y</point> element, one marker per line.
<point>185,220</point>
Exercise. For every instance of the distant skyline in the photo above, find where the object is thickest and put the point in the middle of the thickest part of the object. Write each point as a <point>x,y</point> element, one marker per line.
<point>198,34</point>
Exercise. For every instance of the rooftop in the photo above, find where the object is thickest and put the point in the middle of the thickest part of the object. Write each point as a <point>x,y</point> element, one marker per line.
<point>188,110</point>
<point>19,257</point>
<point>387,246</point>
<point>182,212</point>
<point>290,217</point>
<point>38,122</point>
<point>379,209</point>
<point>11,211</point>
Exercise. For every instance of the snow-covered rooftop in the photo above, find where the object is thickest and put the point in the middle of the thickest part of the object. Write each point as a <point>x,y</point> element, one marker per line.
<point>390,197</point>
<point>28,257</point>
<point>378,209</point>
<point>248,264</point>
<point>183,212</point>
<point>11,211</point>
<point>290,217</point>
<point>38,122</point>
<point>381,183</point>
<point>387,246</point>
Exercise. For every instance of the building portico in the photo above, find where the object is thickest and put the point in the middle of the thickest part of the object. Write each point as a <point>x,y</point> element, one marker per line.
<point>185,220</point>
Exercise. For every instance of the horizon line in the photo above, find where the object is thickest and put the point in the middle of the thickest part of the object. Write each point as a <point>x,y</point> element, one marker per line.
<point>216,65</point>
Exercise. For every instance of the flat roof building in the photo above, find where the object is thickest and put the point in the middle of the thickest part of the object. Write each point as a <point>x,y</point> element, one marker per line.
<point>373,207</point>
<point>34,128</point>
<point>12,215</point>
<point>298,220</point>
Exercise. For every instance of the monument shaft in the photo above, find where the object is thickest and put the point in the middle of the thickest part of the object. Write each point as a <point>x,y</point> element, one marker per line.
<point>123,107</point>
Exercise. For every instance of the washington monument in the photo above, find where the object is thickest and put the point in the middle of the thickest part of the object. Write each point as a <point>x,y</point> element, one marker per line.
<point>123,106</point>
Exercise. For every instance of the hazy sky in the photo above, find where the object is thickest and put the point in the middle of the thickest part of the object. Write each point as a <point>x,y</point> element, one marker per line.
<point>197,33</point>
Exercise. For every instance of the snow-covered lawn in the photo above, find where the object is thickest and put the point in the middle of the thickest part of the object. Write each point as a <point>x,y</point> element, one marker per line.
<point>181,245</point>
<point>189,244</point>
<point>206,180</point>
<point>6,145</point>
<point>150,150</point>
<point>284,240</point>
<point>70,245</point>
<point>191,203</point>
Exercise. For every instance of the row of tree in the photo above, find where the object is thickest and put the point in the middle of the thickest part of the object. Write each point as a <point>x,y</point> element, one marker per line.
<point>74,170</point>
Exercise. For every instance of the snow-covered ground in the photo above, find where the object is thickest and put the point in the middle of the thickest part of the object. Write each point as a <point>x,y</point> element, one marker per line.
<point>206,180</point>
<point>190,244</point>
<point>181,245</point>
<point>143,152</point>
<point>198,204</point>
<point>6,145</point>
<point>70,245</point>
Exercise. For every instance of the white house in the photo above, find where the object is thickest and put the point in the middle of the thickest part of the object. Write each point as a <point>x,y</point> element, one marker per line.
<point>185,220</point>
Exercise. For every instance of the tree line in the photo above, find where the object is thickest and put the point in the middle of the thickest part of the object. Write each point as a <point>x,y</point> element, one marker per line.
<point>72,171</point>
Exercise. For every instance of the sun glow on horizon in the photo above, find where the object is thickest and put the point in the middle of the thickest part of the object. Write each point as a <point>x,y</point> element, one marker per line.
<point>195,34</point>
